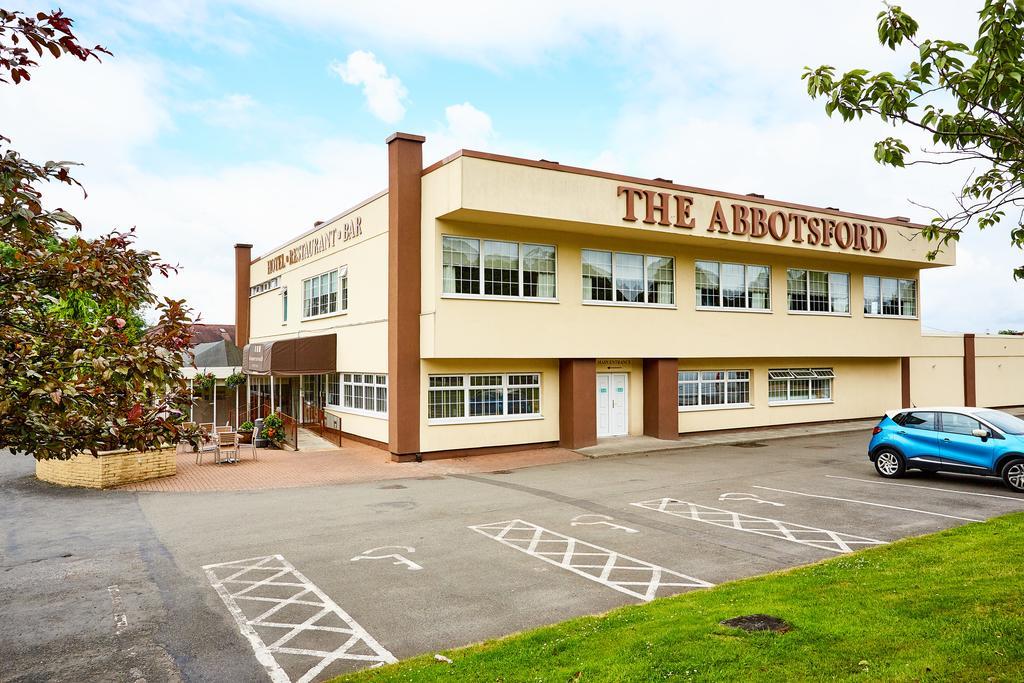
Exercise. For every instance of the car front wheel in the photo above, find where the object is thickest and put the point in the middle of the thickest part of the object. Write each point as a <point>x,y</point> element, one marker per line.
<point>890,464</point>
<point>1013,474</point>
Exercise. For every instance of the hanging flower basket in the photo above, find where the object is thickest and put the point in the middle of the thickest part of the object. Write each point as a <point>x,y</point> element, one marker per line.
<point>205,381</point>
<point>234,380</point>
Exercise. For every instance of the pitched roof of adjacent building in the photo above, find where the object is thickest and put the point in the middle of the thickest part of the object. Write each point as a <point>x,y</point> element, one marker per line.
<point>217,354</point>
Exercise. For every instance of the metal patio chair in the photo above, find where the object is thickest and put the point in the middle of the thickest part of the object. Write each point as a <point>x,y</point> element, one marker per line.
<point>227,443</point>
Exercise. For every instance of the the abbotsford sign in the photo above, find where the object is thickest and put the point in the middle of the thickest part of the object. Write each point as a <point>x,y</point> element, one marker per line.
<point>340,232</point>
<point>738,218</point>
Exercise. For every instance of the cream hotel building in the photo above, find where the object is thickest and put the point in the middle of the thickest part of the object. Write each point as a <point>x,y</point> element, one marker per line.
<point>488,302</point>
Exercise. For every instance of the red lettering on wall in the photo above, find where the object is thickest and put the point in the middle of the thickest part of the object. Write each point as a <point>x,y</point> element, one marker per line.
<point>878,239</point>
<point>844,235</point>
<point>740,221</point>
<point>798,220</point>
<point>661,207</point>
<point>813,230</point>
<point>676,210</point>
<point>683,206</point>
<point>718,219</point>
<point>860,241</point>
<point>777,226</point>
<point>758,224</point>
<point>630,193</point>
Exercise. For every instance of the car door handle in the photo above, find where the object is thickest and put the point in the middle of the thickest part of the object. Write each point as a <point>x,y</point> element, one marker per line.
<point>946,439</point>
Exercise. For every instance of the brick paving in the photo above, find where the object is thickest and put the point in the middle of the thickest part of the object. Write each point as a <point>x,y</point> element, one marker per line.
<point>353,463</point>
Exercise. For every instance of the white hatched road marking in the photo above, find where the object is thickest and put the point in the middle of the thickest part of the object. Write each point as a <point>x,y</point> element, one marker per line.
<point>588,560</point>
<point>929,488</point>
<point>788,531</point>
<point>865,502</point>
<point>227,578</point>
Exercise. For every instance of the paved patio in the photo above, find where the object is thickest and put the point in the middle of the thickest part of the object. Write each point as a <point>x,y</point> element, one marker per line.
<point>353,463</point>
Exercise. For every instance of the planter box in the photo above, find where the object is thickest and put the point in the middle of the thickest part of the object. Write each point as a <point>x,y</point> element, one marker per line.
<point>108,470</point>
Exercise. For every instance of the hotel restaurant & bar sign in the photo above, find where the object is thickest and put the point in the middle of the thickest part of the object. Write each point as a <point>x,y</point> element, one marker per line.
<point>349,230</point>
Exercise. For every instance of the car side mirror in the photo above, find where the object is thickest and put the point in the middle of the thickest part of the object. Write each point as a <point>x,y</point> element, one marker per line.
<point>982,434</point>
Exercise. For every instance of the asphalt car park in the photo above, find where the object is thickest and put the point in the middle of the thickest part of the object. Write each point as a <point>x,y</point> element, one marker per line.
<point>303,584</point>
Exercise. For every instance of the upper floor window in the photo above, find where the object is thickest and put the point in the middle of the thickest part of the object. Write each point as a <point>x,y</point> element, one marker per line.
<point>493,268</point>
<point>814,291</point>
<point>265,286</point>
<point>733,285</point>
<point>615,277</point>
<point>284,305</point>
<point>325,294</point>
<point>889,296</point>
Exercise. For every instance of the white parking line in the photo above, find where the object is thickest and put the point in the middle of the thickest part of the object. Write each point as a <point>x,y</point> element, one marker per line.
<point>120,616</point>
<point>763,526</point>
<point>590,561</point>
<point>271,573</point>
<point>930,488</point>
<point>865,502</point>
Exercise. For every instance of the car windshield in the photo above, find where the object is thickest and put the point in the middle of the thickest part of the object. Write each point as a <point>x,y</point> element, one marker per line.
<point>1004,421</point>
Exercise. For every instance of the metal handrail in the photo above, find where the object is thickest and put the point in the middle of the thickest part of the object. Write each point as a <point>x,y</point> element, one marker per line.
<point>291,429</point>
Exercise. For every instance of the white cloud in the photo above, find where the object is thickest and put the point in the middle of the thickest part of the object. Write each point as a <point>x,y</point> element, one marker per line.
<point>230,111</point>
<point>384,94</point>
<point>530,31</point>
<point>465,127</point>
<point>468,125</point>
<point>110,116</point>
<point>87,112</point>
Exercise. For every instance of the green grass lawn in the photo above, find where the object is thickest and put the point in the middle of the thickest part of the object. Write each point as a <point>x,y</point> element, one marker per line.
<point>948,606</point>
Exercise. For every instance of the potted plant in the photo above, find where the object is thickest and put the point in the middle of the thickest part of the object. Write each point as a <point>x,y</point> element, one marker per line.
<point>245,432</point>
<point>273,429</point>
<point>234,380</point>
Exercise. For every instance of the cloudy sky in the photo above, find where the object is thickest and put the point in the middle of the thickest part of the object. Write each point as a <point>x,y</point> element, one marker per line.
<point>247,120</point>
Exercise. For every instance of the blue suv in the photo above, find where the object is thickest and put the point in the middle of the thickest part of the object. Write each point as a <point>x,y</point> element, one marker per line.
<point>965,440</point>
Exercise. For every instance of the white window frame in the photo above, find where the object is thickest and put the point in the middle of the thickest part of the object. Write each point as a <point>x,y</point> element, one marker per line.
<point>899,295</point>
<point>481,282</point>
<point>725,382</point>
<point>505,386</point>
<point>284,305</point>
<point>807,294</point>
<point>265,286</point>
<point>746,288</point>
<point>341,298</point>
<point>810,374</point>
<point>346,379</point>
<point>614,276</point>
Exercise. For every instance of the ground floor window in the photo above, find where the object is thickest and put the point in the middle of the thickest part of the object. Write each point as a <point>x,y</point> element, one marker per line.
<point>361,392</point>
<point>800,385</point>
<point>483,397</point>
<point>710,388</point>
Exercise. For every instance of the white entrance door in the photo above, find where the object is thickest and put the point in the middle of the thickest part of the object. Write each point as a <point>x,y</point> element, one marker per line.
<point>612,402</point>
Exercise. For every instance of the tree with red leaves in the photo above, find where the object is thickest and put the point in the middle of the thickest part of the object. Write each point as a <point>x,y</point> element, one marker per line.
<point>73,376</point>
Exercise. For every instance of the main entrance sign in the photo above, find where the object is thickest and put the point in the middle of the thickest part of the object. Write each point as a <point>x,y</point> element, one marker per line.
<point>677,210</point>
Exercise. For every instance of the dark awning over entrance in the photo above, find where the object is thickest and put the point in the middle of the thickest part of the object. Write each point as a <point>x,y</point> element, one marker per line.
<point>299,356</point>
